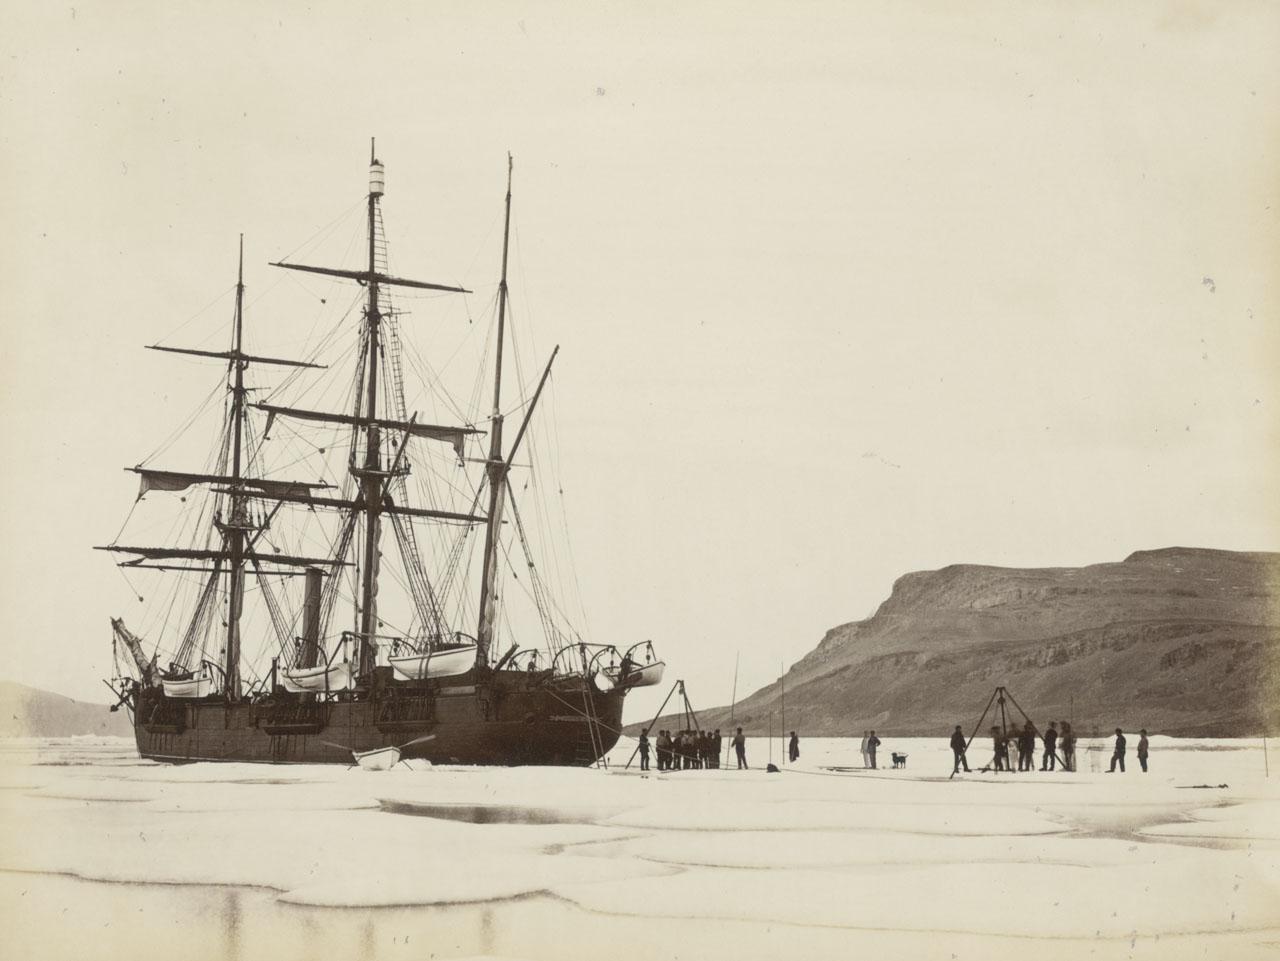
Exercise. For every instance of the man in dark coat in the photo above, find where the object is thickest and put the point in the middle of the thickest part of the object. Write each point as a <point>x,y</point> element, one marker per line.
<point>958,749</point>
<point>793,750</point>
<point>1118,756</point>
<point>1027,748</point>
<point>1050,748</point>
<point>999,750</point>
<point>873,742</point>
<point>740,748</point>
<point>644,749</point>
<point>1144,746</point>
<point>717,747</point>
<point>1068,744</point>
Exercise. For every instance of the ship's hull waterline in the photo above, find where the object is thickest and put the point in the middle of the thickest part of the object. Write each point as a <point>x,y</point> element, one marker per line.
<point>507,718</point>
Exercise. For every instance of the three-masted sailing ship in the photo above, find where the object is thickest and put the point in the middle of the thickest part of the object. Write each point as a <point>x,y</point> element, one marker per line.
<point>324,689</point>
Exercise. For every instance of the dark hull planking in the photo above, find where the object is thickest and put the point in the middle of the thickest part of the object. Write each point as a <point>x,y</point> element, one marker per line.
<point>500,718</point>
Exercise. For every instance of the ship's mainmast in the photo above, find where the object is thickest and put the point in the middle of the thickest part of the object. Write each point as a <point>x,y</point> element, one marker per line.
<point>496,465</point>
<point>371,475</point>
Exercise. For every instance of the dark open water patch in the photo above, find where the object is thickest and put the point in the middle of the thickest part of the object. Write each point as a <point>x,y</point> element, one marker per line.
<point>1129,823</point>
<point>494,813</point>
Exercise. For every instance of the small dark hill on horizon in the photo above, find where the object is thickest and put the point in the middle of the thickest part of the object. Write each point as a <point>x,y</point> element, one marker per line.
<point>1182,641</point>
<point>31,712</point>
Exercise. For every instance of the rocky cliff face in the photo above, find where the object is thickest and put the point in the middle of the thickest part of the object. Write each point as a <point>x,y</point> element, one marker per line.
<point>1180,641</point>
<point>29,712</point>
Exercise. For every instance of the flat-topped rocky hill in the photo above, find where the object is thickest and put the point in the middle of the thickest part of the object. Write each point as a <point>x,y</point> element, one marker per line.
<point>1179,640</point>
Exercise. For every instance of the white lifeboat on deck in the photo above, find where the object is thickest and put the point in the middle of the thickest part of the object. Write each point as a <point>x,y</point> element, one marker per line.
<point>317,680</point>
<point>631,673</point>
<point>637,675</point>
<point>199,684</point>
<point>440,662</point>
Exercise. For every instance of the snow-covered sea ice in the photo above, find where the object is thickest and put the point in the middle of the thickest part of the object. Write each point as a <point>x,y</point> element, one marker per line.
<point>824,859</point>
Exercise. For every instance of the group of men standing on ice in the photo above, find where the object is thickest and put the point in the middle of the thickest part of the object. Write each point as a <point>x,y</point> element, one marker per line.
<point>686,750</point>
<point>683,751</point>
<point>689,750</point>
<point>1057,747</point>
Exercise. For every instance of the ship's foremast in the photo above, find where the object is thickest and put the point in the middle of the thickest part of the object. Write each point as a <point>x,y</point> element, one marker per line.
<point>237,529</point>
<point>234,533</point>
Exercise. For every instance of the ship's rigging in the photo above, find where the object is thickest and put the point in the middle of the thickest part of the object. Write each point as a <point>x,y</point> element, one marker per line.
<point>341,485</point>
<point>240,521</point>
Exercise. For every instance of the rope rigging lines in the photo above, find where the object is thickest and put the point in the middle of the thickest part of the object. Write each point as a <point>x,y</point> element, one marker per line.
<point>430,573</point>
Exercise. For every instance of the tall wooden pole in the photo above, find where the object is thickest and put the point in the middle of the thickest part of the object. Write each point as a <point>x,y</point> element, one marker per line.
<point>782,678</point>
<point>733,705</point>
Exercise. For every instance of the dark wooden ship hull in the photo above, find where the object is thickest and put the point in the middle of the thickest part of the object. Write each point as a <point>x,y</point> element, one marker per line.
<point>489,717</point>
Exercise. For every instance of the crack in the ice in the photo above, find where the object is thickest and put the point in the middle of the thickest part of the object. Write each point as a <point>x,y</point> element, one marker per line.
<point>885,929</point>
<point>829,865</point>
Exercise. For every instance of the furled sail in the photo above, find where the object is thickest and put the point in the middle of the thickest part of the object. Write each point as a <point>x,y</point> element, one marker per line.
<point>366,276</point>
<point>236,355</point>
<point>455,436</point>
<point>204,554</point>
<point>168,480</point>
<point>388,506</point>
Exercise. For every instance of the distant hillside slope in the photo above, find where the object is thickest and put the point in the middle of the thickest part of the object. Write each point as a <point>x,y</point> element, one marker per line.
<point>1180,641</point>
<point>29,712</point>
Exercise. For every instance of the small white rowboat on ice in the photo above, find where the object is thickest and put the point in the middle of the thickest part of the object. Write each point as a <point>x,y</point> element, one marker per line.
<point>379,759</point>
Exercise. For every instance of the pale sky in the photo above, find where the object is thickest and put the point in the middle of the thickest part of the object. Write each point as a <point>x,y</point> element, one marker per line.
<point>843,290</point>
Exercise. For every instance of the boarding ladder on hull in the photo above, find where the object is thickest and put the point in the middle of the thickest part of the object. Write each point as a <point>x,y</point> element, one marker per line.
<point>597,754</point>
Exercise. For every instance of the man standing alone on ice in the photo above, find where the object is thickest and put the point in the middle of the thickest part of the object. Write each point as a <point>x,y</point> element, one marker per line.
<point>865,760</point>
<point>1143,747</point>
<point>1050,748</point>
<point>957,748</point>
<point>873,742</point>
<point>1118,756</point>
<point>740,748</point>
<point>793,750</point>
